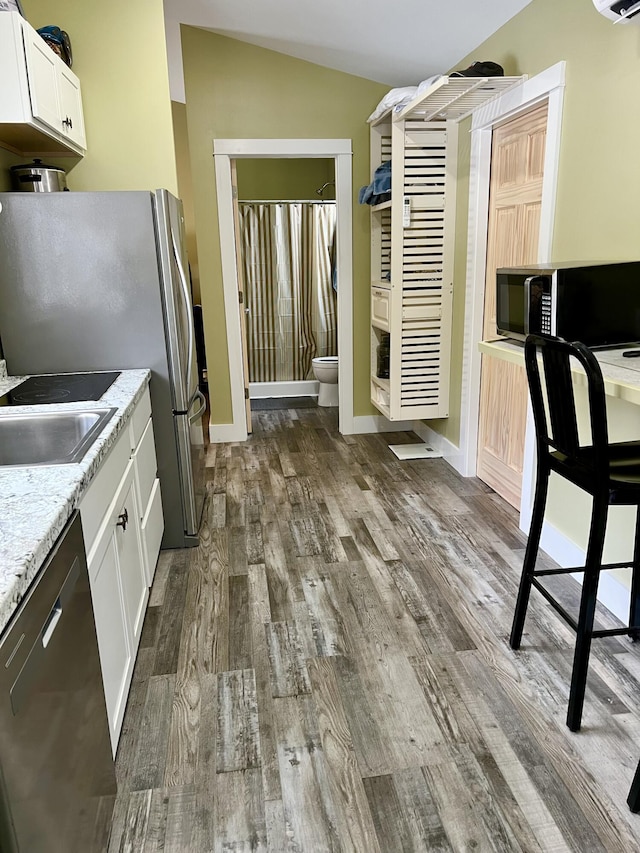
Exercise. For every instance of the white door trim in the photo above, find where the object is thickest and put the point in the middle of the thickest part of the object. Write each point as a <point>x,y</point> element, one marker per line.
<point>548,84</point>
<point>224,150</point>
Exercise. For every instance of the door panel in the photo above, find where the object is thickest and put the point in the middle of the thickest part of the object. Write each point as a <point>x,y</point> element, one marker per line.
<point>517,164</point>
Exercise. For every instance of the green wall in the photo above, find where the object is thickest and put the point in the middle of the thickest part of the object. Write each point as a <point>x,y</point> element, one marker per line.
<point>284,179</point>
<point>599,183</point>
<point>236,90</point>
<point>119,54</point>
<point>598,202</point>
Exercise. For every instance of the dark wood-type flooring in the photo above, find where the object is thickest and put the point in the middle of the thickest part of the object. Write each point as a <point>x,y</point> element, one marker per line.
<point>329,670</point>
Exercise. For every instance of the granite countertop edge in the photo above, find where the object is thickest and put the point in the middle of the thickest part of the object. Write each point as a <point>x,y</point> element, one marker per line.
<point>37,501</point>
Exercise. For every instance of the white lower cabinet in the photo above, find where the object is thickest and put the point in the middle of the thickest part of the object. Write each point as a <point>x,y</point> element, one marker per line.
<point>122,520</point>
<point>119,593</point>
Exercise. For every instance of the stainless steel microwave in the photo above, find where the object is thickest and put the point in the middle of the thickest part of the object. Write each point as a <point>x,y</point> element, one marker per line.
<point>596,303</point>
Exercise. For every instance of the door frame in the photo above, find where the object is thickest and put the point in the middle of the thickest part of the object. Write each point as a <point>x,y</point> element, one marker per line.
<point>338,150</point>
<point>549,84</point>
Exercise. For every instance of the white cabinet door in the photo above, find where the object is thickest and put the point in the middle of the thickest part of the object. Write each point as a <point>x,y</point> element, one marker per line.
<point>149,499</point>
<point>126,523</point>
<point>116,657</point>
<point>71,106</point>
<point>43,73</point>
<point>119,592</point>
<point>152,530</point>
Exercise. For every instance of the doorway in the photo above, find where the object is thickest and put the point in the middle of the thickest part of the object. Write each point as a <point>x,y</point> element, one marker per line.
<point>339,152</point>
<point>549,86</point>
<point>286,225</point>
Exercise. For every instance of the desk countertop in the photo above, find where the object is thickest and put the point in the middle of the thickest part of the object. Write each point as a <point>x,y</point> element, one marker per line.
<point>621,375</point>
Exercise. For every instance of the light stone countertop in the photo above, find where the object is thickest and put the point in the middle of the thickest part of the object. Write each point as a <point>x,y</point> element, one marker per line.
<point>37,501</point>
<point>7,382</point>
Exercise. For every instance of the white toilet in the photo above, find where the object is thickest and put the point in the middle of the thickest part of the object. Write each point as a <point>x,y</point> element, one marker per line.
<point>325,369</point>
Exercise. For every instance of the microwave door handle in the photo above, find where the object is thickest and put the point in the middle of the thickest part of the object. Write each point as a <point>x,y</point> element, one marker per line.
<point>527,302</point>
<point>187,308</point>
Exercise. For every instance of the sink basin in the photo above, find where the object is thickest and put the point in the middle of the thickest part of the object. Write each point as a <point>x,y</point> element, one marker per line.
<point>50,438</point>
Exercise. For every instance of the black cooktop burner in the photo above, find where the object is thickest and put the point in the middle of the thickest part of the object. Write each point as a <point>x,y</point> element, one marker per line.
<point>62,388</point>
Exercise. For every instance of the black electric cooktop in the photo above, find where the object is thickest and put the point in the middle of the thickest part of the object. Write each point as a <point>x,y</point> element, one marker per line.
<point>61,388</point>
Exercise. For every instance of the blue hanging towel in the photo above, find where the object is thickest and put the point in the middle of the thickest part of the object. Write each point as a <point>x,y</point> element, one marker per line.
<point>379,189</point>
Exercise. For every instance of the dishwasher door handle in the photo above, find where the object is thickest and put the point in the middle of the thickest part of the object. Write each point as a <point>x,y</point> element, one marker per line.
<point>50,625</point>
<point>21,688</point>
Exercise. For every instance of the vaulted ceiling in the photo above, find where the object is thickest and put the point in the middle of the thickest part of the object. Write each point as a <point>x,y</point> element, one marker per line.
<point>398,42</point>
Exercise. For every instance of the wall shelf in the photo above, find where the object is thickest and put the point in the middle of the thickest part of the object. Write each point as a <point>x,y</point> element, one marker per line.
<point>452,99</point>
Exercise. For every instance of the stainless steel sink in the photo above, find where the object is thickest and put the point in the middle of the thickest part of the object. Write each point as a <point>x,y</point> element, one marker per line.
<point>50,438</point>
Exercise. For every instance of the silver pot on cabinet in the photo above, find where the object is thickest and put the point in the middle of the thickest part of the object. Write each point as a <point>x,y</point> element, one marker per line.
<point>37,177</point>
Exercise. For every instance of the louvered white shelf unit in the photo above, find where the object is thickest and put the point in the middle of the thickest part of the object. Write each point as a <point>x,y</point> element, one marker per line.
<point>412,244</point>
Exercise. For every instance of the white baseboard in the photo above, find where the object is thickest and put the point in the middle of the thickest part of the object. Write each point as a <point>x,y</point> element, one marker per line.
<point>219,433</point>
<point>450,453</point>
<point>298,388</point>
<point>377,423</point>
<point>611,592</point>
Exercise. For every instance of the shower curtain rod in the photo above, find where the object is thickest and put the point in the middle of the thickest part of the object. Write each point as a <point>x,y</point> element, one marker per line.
<point>286,201</point>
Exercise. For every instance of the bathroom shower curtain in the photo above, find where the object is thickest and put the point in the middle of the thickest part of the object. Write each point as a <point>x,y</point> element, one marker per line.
<point>287,250</point>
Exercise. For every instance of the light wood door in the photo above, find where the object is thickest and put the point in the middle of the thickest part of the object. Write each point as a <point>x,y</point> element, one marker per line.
<point>242,301</point>
<point>517,163</point>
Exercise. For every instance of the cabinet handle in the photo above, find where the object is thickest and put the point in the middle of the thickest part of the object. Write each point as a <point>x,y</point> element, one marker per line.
<point>67,122</point>
<point>123,519</point>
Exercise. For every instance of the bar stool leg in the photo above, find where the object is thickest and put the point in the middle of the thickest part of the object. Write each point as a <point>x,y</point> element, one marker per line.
<point>634,792</point>
<point>634,607</point>
<point>587,611</point>
<point>530,556</point>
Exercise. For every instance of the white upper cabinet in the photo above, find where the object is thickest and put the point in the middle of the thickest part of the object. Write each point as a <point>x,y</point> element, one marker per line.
<point>40,101</point>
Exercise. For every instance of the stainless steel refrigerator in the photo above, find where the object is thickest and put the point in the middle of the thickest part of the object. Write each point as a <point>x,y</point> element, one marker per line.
<point>98,281</point>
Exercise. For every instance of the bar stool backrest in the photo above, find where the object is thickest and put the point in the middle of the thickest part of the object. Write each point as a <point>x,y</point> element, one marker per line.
<point>561,433</point>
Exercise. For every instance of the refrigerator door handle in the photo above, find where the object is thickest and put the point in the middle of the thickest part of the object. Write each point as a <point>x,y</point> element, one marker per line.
<point>187,307</point>
<point>201,410</point>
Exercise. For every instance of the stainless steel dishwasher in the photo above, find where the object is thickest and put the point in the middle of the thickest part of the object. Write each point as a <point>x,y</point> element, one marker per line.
<point>57,775</point>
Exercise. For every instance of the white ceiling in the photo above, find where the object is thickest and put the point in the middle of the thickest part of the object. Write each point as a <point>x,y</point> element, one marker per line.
<point>398,42</point>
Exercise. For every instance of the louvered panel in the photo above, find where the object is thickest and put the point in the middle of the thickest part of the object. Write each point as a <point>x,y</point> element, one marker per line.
<point>420,293</point>
<point>420,381</point>
<point>424,220</point>
<point>426,261</point>
<point>433,275</point>
<point>385,245</point>
<point>426,266</point>
<point>432,134</point>
<point>380,214</point>
<point>424,168</point>
<point>422,305</point>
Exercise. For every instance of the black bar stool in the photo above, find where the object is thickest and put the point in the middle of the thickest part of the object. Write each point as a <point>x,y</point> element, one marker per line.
<point>610,473</point>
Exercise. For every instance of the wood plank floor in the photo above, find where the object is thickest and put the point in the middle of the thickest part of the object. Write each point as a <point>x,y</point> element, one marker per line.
<point>329,670</point>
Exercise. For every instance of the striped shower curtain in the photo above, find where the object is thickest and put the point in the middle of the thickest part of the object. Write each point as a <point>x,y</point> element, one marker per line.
<point>287,251</point>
